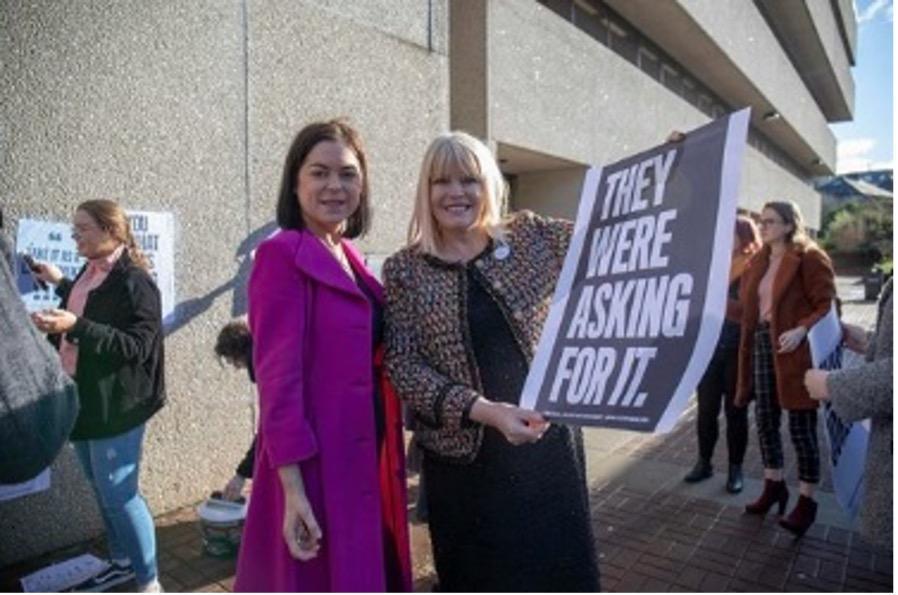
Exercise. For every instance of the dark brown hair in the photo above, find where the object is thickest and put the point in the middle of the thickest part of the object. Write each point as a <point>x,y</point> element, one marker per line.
<point>289,213</point>
<point>234,342</point>
<point>112,218</point>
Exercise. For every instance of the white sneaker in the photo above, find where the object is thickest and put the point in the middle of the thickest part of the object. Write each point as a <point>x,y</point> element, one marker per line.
<point>152,587</point>
<point>115,574</point>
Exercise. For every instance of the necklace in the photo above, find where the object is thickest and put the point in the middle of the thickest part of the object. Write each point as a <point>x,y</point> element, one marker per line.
<point>337,252</point>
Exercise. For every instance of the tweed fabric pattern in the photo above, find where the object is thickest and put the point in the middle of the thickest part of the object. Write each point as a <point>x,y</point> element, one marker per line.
<point>867,391</point>
<point>802,422</point>
<point>429,355</point>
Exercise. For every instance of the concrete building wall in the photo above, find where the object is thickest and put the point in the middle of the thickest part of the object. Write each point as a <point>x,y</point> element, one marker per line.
<point>826,24</point>
<point>555,90</point>
<point>756,53</point>
<point>189,108</point>
<point>555,193</point>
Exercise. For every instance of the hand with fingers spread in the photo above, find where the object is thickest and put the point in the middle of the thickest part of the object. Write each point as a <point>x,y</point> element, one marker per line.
<point>519,426</point>
<point>791,339</point>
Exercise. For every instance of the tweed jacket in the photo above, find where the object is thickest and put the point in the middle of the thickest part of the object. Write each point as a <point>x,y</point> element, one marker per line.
<point>429,355</point>
<point>866,391</point>
<point>803,291</point>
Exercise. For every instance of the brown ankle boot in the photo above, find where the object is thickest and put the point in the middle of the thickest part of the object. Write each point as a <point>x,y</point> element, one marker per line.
<point>802,516</point>
<point>775,492</point>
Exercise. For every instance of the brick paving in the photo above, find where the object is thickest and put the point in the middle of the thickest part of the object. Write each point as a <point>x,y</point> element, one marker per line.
<point>653,532</point>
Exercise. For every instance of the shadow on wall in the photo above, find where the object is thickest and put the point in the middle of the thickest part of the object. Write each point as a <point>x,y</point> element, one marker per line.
<point>187,310</point>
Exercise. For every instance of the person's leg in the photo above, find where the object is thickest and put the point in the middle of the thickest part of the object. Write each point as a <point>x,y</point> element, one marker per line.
<point>737,417</point>
<point>708,399</point>
<point>803,430</point>
<point>737,424</point>
<point>116,469</point>
<point>767,409</point>
<point>709,391</point>
<point>84,450</point>
<point>767,418</point>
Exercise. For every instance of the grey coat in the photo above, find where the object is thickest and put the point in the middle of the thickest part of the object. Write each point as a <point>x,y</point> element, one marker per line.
<point>866,391</point>
<point>38,401</point>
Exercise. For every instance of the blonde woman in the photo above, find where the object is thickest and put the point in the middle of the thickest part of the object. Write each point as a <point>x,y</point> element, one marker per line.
<point>466,302</point>
<point>788,287</point>
<point>108,330</point>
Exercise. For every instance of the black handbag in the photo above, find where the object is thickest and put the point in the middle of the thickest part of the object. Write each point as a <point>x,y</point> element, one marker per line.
<point>38,400</point>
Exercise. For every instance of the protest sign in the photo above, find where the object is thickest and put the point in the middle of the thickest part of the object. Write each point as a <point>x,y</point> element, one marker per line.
<point>154,233</point>
<point>847,441</point>
<point>641,298</point>
<point>51,242</point>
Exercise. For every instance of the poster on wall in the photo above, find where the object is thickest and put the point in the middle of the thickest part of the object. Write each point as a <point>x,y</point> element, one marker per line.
<point>51,241</point>
<point>641,298</point>
<point>155,235</point>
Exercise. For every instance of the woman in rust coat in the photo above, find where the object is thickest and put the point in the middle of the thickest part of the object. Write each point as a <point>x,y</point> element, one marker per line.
<point>788,287</point>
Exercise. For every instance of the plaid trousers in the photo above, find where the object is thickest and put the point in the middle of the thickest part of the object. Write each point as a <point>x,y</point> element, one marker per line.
<point>802,423</point>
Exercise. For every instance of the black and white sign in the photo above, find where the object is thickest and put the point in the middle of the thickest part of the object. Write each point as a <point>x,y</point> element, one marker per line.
<point>641,298</point>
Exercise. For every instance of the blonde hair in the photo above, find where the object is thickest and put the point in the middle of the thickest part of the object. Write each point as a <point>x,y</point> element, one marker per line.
<point>449,153</point>
<point>112,218</point>
<point>791,215</point>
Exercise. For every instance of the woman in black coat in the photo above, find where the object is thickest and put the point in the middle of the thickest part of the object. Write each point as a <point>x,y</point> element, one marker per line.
<point>108,329</point>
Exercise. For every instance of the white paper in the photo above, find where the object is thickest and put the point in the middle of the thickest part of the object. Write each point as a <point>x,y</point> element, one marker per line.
<point>51,241</point>
<point>63,575</point>
<point>824,337</point>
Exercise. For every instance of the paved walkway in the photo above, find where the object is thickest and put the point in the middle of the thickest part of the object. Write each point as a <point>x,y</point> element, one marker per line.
<point>655,532</point>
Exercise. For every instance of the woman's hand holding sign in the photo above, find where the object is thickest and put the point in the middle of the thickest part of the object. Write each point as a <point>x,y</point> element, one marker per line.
<point>518,425</point>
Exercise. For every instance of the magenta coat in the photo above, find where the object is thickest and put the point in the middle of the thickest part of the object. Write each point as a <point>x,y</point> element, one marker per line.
<point>313,358</point>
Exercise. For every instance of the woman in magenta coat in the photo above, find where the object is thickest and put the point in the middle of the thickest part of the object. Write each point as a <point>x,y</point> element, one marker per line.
<point>327,511</point>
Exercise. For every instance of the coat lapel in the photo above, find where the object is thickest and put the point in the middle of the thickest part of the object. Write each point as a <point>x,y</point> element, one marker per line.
<point>315,261</point>
<point>358,265</point>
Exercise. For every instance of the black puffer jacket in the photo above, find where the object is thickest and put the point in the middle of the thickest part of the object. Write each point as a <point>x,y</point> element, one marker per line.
<point>120,376</point>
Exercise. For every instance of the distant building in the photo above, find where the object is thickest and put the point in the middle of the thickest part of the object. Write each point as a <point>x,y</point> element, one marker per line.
<point>845,188</point>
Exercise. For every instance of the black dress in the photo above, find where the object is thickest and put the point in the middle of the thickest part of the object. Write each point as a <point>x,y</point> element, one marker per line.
<point>517,517</point>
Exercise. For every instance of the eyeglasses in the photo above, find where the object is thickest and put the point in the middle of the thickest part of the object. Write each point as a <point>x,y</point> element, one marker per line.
<point>766,222</point>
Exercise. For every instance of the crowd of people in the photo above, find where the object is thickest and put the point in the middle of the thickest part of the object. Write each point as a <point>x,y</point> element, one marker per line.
<point>450,334</point>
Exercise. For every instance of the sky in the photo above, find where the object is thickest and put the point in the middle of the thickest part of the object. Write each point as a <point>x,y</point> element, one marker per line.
<point>867,143</point>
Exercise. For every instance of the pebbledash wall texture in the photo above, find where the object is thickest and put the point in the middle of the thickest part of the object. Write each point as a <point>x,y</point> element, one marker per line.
<point>189,107</point>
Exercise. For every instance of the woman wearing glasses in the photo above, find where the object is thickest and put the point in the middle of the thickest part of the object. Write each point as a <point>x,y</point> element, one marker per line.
<point>108,329</point>
<point>788,287</point>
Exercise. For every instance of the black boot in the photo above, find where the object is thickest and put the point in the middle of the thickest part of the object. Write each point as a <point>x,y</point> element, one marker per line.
<point>700,472</point>
<point>734,480</point>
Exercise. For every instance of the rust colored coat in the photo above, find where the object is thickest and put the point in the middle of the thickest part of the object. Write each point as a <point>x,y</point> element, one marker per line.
<point>803,290</point>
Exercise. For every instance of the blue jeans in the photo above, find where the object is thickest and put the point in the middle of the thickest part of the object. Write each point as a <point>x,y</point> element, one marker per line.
<point>112,466</point>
